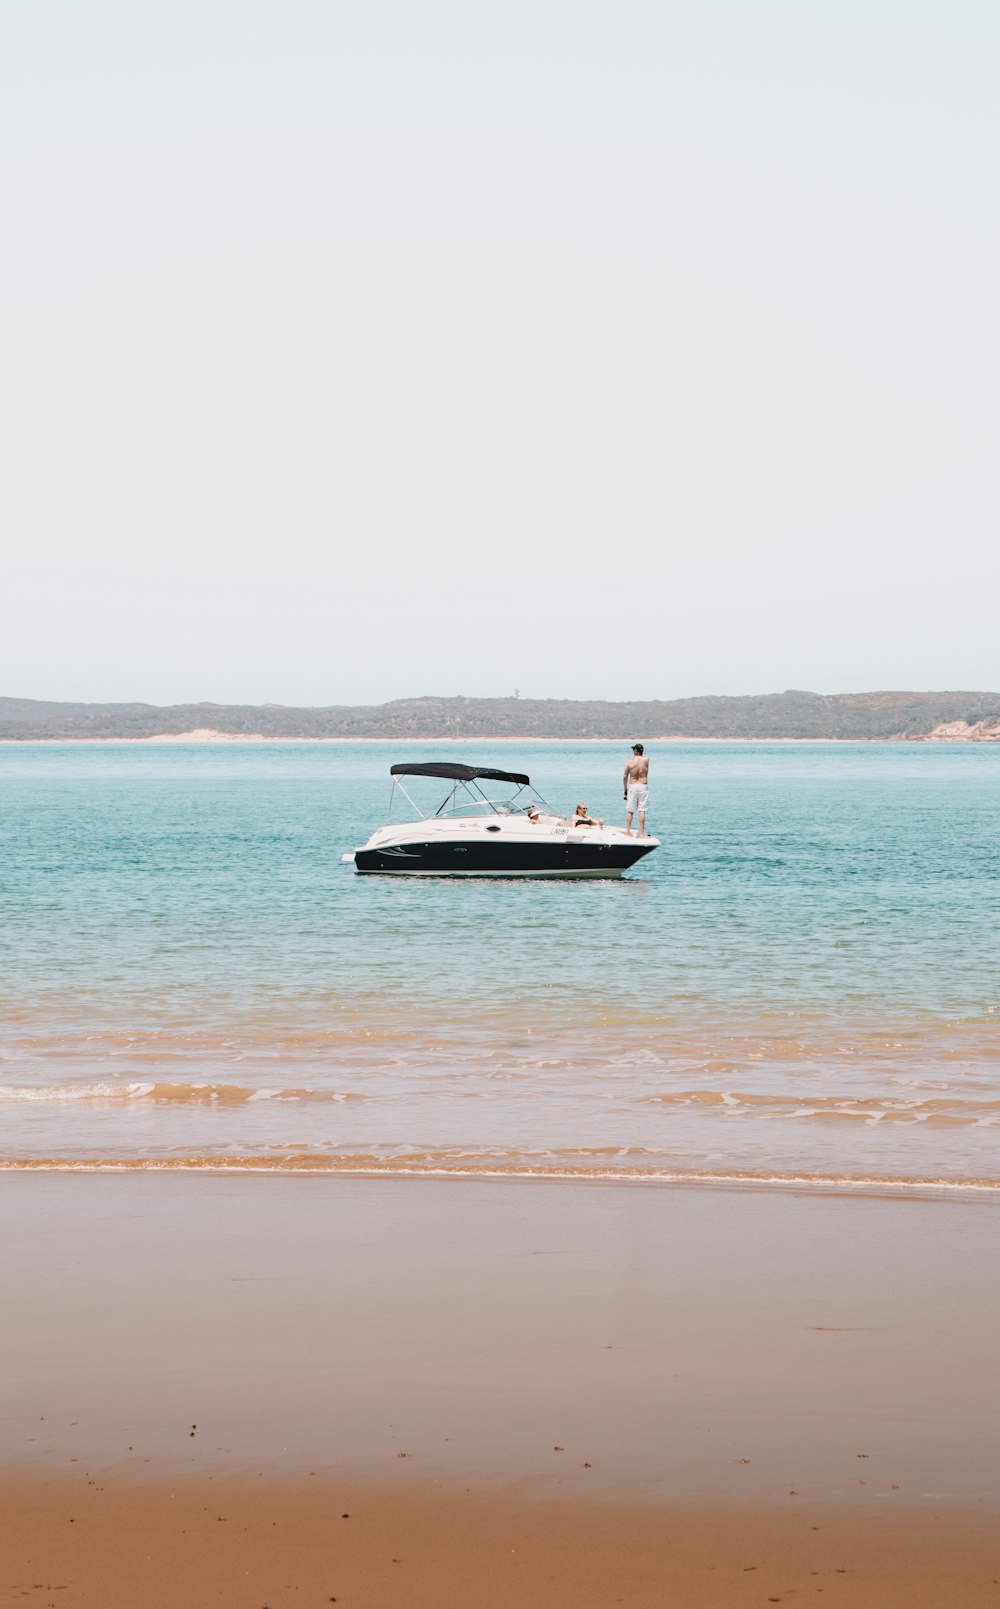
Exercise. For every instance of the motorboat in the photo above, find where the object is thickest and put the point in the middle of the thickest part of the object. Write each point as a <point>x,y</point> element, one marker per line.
<point>474,832</point>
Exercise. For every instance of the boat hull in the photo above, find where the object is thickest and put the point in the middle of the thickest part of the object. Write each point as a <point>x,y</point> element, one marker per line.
<point>429,859</point>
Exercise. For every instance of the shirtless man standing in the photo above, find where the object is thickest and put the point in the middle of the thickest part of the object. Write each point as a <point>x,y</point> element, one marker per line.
<point>636,785</point>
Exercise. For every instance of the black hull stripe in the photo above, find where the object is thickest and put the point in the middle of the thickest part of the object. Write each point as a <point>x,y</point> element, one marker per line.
<point>503,860</point>
<point>412,871</point>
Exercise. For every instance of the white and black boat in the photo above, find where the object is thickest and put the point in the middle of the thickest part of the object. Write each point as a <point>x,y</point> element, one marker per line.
<point>474,834</point>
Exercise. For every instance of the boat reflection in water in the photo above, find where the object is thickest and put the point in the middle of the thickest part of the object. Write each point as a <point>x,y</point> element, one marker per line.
<point>473,833</point>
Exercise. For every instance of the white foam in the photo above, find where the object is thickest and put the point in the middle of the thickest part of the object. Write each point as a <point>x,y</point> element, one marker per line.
<point>831,1184</point>
<point>12,1094</point>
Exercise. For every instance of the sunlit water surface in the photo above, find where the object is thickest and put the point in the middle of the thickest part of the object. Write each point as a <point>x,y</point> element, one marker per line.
<point>803,981</point>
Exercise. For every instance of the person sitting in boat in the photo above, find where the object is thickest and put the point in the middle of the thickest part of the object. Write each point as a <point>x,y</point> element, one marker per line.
<point>581,819</point>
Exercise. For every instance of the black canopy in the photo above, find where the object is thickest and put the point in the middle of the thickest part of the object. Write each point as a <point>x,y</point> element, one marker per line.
<point>458,773</point>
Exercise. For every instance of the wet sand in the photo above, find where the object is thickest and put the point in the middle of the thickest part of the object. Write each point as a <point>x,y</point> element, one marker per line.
<point>524,1393</point>
<point>246,1546</point>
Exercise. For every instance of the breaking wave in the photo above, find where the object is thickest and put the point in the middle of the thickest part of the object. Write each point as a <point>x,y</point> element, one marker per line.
<point>871,1110</point>
<point>180,1094</point>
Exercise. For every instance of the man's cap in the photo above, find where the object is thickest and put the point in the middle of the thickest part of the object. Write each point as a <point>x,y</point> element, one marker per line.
<point>636,746</point>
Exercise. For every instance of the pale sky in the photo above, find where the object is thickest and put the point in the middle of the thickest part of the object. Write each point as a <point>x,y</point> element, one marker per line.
<point>359,351</point>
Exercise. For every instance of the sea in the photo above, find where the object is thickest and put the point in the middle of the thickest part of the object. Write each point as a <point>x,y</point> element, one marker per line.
<point>800,987</point>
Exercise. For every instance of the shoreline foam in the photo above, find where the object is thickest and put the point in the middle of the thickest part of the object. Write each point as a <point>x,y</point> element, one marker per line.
<point>328,1168</point>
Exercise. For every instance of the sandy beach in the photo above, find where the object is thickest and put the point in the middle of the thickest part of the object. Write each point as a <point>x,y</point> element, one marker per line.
<point>269,1543</point>
<point>531,1393</point>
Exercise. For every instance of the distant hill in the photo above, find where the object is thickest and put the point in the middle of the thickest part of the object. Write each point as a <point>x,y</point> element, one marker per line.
<point>945,717</point>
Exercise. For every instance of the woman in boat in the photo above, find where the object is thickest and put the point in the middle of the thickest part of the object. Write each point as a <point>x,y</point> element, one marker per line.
<point>581,818</point>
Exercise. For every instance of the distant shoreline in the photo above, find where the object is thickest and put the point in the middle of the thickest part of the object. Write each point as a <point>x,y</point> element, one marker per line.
<point>222,739</point>
<point>789,717</point>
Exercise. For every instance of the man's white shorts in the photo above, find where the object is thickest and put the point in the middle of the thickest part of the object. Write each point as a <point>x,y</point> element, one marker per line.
<point>638,797</point>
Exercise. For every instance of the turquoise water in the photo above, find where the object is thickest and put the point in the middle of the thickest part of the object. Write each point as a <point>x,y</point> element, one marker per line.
<point>803,981</point>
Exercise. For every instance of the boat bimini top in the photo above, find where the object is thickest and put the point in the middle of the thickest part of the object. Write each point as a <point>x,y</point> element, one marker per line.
<point>466,794</point>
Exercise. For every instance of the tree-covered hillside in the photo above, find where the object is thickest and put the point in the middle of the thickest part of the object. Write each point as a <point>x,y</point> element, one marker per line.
<point>771,715</point>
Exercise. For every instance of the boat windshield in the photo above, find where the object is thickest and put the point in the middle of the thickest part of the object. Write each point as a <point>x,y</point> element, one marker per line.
<point>479,797</point>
